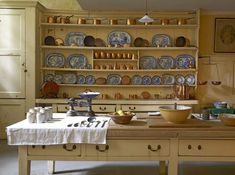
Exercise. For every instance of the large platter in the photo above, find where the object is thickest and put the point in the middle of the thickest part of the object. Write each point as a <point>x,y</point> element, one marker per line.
<point>185,61</point>
<point>69,78</point>
<point>148,62</point>
<point>168,79</point>
<point>166,62</point>
<point>119,38</point>
<point>136,80</point>
<point>78,61</point>
<point>161,40</point>
<point>75,38</point>
<point>190,79</point>
<point>55,60</point>
<point>114,79</point>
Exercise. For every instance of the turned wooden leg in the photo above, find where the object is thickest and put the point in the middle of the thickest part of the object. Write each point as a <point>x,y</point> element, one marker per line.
<point>24,163</point>
<point>162,167</point>
<point>51,166</point>
<point>173,162</point>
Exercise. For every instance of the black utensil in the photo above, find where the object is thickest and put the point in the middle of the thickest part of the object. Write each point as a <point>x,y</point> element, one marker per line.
<point>97,123</point>
<point>76,125</point>
<point>104,123</point>
<point>69,125</point>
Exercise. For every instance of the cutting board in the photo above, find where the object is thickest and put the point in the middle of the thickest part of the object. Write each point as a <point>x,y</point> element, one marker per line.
<point>190,123</point>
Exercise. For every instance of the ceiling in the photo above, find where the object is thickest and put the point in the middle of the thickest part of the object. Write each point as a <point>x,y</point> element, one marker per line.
<point>157,5</point>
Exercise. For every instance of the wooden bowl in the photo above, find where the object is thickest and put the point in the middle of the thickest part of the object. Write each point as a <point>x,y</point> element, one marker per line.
<point>124,119</point>
<point>227,119</point>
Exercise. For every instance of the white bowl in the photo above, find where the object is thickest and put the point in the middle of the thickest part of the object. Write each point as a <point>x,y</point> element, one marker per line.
<point>178,115</point>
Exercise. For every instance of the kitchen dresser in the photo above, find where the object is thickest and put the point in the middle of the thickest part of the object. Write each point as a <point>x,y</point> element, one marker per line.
<point>133,65</point>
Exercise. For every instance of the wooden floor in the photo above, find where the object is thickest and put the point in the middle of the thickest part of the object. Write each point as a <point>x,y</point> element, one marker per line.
<point>9,166</point>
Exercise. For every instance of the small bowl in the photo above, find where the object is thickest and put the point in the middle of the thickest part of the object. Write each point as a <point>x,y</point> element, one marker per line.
<point>227,119</point>
<point>178,115</point>
<point>124,119</point>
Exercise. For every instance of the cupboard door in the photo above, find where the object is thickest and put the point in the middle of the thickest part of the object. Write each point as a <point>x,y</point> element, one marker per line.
<point>12,53</point>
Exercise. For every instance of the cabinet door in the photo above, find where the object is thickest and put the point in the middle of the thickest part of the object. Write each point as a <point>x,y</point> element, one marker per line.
<point>12,111</point>
<point>12,53</point>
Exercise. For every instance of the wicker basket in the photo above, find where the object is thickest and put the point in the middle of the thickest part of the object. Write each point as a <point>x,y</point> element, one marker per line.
<point>125,119</point>
<point>227,119</point>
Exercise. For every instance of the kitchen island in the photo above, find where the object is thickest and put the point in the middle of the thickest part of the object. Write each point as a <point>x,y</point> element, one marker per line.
<point>139,141</point>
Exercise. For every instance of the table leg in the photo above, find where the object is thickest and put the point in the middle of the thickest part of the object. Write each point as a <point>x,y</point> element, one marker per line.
<point>51,166</point>
<point>173,161</point>
<point>162,167</point>
<point>24,163</point>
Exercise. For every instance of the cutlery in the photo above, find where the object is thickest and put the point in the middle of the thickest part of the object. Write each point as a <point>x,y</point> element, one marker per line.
<point>69,125</point>
<point>89,124</point>
<point>97,123</point>
<point>83,123</point>
<point>76,125</point>
<point>104,123</point>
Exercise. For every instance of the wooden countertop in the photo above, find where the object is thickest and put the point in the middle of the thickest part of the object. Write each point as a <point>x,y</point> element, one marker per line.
<point>193,128</point>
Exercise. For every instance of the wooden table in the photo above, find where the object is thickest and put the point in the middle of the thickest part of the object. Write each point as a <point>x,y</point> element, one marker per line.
<point>211,141</point>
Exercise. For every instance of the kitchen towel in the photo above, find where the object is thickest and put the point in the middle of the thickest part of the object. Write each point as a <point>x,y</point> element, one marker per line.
<point>60,130</point>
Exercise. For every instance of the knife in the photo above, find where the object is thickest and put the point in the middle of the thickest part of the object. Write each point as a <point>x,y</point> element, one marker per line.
<point>97,123</point>
<point>104,123</point>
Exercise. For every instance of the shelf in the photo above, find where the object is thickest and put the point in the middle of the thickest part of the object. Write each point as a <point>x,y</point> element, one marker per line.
<point>117,70</point>
<point>115,60</point>
<point>117,86</point>
<point>119,48</point>
<point>141,26</point>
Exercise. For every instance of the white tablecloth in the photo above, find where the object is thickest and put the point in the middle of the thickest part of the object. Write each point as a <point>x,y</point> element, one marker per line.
<point>57,131</point>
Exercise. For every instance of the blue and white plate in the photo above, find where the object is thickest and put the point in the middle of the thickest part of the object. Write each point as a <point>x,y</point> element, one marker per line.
<point>55,60</point>
<point>114,79</point>
<point>168,79</point>
<point>148,62</point>
<point>69,78</point>
<point>75,38</point>
<point>156,80</point>
<point>119,38</point>
<point>78,61</point>
<point>167,62</point>
<point>161,40</point>
<point>90,79</point>
<point>89,66</point>
<point>190,79</point>
<point>136,79</point>
<point>81,79</point>
<point>146,80</point>
<point>179,79</point>
<point>185,61</point>
<point>58,79</point>
<point>48,77</point>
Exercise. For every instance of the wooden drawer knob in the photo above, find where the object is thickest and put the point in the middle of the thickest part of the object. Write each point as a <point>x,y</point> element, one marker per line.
<point>102,150</point>
<point>67,149</point>
<point>189,147</point>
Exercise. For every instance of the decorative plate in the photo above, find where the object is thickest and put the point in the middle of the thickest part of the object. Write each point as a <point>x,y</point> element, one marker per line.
<point>77,61</point>
<point>190,79</point>
<point>55,60</point>
<point>75,38</point>
<point>179,79</point>
<point>90,79</point>
<point>114,79</point>
<point>168,79</point>
<point>89,66</point>
<point>148,62</point>
<point>136,79</point>
<point>58,79</point>
<point>49,40</point>
<point>69,78</point>
<point>119,38</point>
<point>185,61</point>
<point>156,80</point>
<point>166,62</point>
<point>146,80</point>
<point>48,77</point>
<point>81,79</point>
<point>161,40</point>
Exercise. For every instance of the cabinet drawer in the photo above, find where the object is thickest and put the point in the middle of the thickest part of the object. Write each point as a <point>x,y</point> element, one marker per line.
<point>141,108</point>
<point>52,150</point>
<point>96,108</point>
<point>130,148</point>
<point>207,147</point>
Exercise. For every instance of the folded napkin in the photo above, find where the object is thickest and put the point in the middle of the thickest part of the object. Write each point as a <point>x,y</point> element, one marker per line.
<point>60,130</point>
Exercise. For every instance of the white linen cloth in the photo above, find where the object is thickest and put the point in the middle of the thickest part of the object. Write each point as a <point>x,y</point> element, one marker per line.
<point>57,131</point>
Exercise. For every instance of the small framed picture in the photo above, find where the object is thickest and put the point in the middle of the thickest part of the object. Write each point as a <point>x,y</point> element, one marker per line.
<point>224,35</point>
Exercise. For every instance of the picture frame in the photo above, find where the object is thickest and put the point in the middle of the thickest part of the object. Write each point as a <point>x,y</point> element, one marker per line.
<point>224,35</point>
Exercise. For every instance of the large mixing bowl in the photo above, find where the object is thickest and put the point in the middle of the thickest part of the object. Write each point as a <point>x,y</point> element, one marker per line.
<point>175,114</point>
